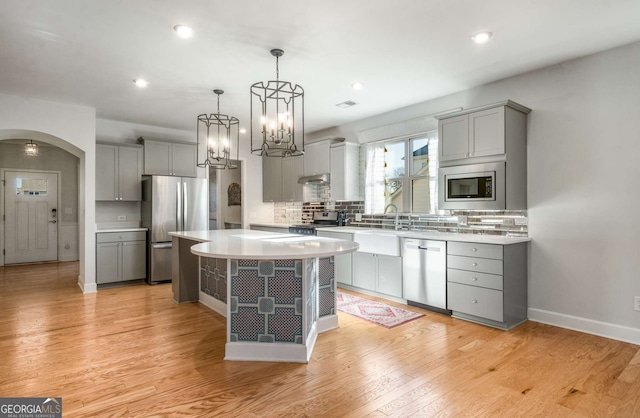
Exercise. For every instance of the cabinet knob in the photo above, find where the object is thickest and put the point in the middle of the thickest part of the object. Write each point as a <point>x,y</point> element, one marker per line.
<point>474,301</point>
<point>474,279</point>
<point>474,264</point>
<point>474,249</point>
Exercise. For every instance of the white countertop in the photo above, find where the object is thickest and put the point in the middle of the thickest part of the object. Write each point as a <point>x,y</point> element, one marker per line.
<point>434,235</point>
<point>248,244</point>
<point>125,229</point>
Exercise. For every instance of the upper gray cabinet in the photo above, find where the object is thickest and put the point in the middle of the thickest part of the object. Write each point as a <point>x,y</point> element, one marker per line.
<point>280,179</point>
<point>486,131</point>
<point>345,178</point>
<point>169,158</point>
<point>317,158</point>
<point>118,171</point>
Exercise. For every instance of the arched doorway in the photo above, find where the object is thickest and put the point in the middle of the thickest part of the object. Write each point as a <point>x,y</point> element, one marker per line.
<point>86,196</point>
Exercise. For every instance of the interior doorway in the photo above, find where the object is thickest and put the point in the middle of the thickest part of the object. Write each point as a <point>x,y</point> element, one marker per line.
<point>31,216</point>
<point>225,198</point>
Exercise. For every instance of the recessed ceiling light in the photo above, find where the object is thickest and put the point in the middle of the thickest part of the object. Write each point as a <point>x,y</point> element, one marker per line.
<point>140,82</point>
<point>243,131</point>
<point>183,31</point>
<point>357,85</point>
<point>481,37</point>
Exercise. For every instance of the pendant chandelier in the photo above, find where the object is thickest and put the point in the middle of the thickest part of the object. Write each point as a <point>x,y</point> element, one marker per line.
<point>219,135</point>
<point>277,116</point>
<point>31,149</point>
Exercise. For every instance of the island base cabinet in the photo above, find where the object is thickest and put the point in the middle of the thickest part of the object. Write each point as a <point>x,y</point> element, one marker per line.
<point>378,273</point>
<point>275,308</point>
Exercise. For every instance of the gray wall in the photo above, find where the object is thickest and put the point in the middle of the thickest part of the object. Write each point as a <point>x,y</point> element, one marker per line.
<point>49,158</point>
<point>583,177</point>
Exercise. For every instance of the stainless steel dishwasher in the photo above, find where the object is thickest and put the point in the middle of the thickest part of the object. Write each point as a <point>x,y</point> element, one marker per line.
<point>424,273</point>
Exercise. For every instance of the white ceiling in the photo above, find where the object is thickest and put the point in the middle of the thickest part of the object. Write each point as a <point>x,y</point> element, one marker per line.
<point>87,52</point>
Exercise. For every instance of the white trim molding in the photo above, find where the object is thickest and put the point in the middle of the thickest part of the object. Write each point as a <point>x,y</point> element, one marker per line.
<point>589,326</point>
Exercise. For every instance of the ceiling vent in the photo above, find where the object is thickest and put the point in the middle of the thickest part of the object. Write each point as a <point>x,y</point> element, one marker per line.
<point>346,104</point>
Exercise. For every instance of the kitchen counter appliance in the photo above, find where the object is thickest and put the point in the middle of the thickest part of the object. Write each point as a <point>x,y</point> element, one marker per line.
<point>170,204</point>
<point>321,220</point>
<point>424,273</point>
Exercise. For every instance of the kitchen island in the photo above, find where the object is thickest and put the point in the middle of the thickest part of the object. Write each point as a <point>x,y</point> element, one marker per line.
<point>277,291</point>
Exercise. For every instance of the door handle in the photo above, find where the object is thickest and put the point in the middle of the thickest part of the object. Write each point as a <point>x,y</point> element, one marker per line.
<point>53,222</point>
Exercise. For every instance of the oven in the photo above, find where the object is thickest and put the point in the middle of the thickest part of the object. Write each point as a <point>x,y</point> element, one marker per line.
<point>472,187</point>
<point>321,219</point>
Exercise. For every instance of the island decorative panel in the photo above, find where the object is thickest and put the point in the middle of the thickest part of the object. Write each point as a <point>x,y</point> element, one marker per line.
<point>266,301</point>
<point>327,295</point>
<point>213,277</point>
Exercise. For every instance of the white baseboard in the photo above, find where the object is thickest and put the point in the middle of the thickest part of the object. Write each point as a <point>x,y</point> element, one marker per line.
<point>87,287</point>
<point>327,323</point>
<point>213,304</point>
<point>589,326</point>
<point>276,352</point>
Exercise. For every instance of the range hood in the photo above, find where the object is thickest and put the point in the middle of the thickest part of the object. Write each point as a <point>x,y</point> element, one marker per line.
<point>315,179</point>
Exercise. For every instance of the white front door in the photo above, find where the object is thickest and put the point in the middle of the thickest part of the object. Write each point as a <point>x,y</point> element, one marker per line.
<point>31,216</point>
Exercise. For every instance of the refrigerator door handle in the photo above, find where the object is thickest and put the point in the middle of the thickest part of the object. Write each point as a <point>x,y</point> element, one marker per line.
<point>185,209</point>
<point>178,208</point>
<point>161,246</point>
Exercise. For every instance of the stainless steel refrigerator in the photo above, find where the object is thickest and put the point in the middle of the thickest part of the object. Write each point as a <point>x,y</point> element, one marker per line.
<point>170,204</point>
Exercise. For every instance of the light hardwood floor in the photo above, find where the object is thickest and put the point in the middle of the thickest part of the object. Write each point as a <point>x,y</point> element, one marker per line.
<point>131,351</point>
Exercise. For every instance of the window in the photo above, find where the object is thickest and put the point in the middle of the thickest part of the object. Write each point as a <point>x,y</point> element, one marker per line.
<point>408,183</point>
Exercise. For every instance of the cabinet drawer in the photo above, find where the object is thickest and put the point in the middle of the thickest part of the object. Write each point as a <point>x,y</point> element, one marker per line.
<point>478,301</point>
<point>482,265</point>
<point>471,249</point>
<point>473,278</point>
<point>121,236</point>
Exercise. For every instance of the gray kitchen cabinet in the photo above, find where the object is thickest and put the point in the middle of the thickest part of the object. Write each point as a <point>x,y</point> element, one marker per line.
<point>292,170</point>
<point>379,273</point>
<point>343,263</point>
<point>280,179</point>
<point>119,171</point>
<point>344,170</point>
<point>317,158</point>
<point>492,130</point>
<point>487,283</point>
<point>169,158</point>
<point>271,179</point>
<point>120,256</point>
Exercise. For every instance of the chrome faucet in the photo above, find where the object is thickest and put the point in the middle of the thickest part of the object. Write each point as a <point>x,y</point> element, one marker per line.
<point>391,205</point>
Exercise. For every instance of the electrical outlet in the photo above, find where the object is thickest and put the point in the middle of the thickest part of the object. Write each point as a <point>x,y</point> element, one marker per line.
<point>358,217</point>
<point>122,218</point>
<point>636,303</point>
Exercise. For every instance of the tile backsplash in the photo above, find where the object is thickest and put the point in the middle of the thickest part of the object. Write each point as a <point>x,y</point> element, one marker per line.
<point>512,223</point>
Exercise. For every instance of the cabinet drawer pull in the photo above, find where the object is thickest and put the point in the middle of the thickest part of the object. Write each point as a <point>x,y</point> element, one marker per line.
<point>474,301</point>
<point>475,279</point>
<point>474,250</point>
<point>474,264</point>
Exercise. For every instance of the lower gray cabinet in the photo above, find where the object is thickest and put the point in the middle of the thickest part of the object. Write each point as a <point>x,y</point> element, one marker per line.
<point>487,283</point>
<point>343,263</point>
<point>121,256</point>
<point>378,272</point>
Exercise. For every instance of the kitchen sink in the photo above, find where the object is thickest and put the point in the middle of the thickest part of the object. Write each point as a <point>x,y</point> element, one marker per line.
<point>378,242</point>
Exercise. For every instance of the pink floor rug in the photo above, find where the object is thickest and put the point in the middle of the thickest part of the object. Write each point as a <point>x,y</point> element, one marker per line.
<point>376,312</point>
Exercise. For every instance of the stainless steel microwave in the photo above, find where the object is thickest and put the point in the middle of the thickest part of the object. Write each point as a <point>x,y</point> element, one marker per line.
<point>472,187</point>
